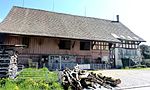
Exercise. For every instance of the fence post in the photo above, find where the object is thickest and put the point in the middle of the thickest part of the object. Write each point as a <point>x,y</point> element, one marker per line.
<point>60,62</point>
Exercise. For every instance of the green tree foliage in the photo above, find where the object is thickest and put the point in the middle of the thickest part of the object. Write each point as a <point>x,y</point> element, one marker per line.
<point>145,51</point>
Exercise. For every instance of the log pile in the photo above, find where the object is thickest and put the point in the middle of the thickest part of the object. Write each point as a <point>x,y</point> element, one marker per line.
<point>77,79</point>
<point>8,60</point>
<point>8,63</point>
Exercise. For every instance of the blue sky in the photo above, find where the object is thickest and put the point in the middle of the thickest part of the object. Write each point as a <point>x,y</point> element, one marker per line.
<point>133,13</point>
<point>94,8</point>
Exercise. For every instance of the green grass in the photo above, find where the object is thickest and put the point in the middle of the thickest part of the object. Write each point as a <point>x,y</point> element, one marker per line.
<point>32,79</point>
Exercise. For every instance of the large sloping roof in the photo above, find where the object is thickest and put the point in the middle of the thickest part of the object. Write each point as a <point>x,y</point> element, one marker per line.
<point>26,21</point>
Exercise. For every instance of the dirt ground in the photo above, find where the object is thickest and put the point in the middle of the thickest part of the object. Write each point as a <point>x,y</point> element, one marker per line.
<point>130,79</point>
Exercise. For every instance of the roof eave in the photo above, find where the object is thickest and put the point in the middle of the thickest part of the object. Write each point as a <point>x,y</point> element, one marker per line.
<point>133,40</point>
<point>111,41</point>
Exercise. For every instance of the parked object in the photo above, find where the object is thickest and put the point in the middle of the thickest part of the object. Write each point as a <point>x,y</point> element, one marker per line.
<point>79,79</point>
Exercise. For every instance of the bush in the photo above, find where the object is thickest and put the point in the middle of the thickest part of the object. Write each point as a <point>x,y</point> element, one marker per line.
<point>8,84</point>
<point>146,62</point>
<point>32,79</point>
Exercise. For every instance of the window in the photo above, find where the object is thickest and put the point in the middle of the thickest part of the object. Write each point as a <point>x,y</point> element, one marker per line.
<point>124,45</point>
<point>129,44</point>
<point>100,46</point>
<point>2,38</point>
<point>117,44</point>
<point>65,44</point>
<point>85,45</point>
<point>25,41</point>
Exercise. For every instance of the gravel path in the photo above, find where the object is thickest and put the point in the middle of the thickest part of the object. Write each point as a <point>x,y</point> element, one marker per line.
<point>130,79</point>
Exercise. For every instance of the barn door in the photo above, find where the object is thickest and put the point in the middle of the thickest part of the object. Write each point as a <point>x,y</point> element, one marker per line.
<point>54,62</point>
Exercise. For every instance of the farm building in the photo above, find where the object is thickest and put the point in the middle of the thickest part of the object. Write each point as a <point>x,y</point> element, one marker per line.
<point>58,40</point>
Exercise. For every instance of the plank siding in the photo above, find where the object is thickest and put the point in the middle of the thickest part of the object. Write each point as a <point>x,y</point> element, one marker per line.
<point>13,40</point>
<point>44,45</point>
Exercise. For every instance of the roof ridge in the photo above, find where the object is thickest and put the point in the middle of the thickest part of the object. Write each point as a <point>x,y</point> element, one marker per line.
<point>63,13</point>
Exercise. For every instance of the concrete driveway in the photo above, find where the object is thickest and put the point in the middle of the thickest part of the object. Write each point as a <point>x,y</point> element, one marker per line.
<point>130,79</point>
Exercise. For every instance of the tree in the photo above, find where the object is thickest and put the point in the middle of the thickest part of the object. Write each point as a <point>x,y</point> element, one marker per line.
<point>145,51</point>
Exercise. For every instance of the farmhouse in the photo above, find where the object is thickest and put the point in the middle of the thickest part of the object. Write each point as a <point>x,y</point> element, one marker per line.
<point>58,40</point>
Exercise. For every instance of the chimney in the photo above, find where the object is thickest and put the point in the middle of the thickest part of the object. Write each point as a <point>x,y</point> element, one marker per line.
<point>117,19</point>
<point>117,16</point>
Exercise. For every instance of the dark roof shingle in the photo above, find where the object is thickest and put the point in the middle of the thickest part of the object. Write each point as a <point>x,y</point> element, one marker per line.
<point>28,21</point>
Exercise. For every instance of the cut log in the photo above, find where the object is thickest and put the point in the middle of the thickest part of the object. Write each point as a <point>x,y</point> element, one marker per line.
<point>79,79</point>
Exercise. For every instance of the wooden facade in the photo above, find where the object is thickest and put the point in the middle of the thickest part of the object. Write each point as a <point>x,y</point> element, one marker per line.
<point>45,46</point>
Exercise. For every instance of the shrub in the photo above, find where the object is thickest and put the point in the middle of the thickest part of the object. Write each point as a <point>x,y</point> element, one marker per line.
<point>146,62</point>
<point>32,79</point>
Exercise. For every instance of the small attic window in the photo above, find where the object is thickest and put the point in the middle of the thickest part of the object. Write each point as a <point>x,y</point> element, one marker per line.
<point>114,35</point>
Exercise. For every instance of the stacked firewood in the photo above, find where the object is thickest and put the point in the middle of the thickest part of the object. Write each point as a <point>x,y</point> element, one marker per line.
<point>77,79</point>
<point>13,66</point>
<point>8,63</point>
